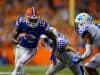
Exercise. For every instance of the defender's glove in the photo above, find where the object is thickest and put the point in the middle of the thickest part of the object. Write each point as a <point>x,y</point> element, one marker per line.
<point>76,60</point>
<point>53,59</point>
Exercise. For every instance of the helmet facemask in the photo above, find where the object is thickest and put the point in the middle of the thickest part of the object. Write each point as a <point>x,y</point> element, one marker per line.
<point>32,22</point>
<point>31,17</point>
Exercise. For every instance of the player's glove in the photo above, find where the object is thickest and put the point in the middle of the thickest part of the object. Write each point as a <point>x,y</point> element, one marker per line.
<point>76,60</point>
<point>14,41</point>
<point>53,59</point>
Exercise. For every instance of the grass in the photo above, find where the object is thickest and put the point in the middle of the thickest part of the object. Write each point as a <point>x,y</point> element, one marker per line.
<point>33,70</point>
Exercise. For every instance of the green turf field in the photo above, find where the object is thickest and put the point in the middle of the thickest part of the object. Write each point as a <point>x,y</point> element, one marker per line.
<point>33,70</point>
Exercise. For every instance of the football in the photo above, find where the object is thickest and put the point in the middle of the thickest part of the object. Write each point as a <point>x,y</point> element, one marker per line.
<point>22,35</point>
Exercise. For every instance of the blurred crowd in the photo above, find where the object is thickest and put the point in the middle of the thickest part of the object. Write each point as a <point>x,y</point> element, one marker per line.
<point>55,12</point>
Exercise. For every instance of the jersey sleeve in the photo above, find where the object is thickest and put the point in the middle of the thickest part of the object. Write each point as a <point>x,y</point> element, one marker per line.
<point>18,23</point>
<point>47,27</point>
<point>83,31</point>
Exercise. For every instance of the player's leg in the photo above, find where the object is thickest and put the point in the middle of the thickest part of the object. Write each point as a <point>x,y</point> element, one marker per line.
<point>18,54</point>
<point>91,71</point>
<point>55,68</point>
<point>93,64</point>
<point>26,55</point>
<point>79,69</point>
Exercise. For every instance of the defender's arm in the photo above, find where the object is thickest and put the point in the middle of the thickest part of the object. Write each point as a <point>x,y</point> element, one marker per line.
<point>68,47</point>
<point>88,46</point>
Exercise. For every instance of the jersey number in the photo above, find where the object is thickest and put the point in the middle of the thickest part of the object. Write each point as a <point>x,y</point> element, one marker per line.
<point>31,38</point>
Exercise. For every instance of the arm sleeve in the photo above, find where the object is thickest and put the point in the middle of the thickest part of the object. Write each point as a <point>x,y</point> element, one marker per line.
<point>86,35</point>
<point>52,36</point>
<point>88,51</point>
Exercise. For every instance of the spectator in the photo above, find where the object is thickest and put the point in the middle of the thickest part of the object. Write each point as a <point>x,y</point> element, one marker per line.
<point>3,59</point>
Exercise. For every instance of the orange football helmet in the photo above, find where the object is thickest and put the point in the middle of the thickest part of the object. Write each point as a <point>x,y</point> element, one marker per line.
<point>32,16</point>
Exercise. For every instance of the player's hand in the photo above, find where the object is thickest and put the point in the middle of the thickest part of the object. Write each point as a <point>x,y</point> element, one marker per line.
<point>22,35</point>
<point>53,59</point>
<point>14,41</point>
<point>43,44</point>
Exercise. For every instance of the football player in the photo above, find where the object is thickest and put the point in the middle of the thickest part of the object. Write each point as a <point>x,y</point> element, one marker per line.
<point>28,30</point>
<point>64,56</point>
<point>90,33</point>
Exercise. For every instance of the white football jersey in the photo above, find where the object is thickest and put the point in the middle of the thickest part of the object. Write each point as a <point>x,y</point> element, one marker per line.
<point>94,30</point>
<point>62,41</point>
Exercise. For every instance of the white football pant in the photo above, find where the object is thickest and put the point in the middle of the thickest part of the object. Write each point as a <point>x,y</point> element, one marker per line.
<point>22,56</point>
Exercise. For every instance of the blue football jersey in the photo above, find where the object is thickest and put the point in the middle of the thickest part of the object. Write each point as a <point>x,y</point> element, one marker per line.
<point>33,34</point>
<point>62,41</point>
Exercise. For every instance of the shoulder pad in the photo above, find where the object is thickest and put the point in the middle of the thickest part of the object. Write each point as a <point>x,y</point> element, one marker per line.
<point>43,24</point>
<point>98,25</point>
<point>22,19</point>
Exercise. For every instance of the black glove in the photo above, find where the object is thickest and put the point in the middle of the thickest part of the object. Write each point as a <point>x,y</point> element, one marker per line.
<point>76,60</point>
<point>53,59</point>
